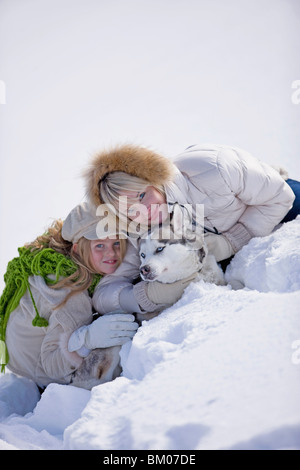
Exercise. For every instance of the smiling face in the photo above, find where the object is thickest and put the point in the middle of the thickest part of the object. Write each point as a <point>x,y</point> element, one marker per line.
<point>105,255</point>
<point>150,208</point>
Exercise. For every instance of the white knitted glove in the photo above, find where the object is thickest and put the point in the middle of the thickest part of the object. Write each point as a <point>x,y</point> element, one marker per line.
<point>219,246</point>
<point>105,332</point>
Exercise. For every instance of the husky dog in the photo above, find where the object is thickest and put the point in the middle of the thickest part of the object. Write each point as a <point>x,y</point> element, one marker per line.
<point>175,251</point>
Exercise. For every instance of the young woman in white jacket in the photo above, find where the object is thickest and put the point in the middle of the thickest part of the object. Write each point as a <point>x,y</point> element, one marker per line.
<point>242,197</point>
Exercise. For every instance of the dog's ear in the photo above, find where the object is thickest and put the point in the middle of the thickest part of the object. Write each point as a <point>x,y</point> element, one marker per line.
<point>202,253</point>
<point>143,236</point>
<point>181,221</point>
<point>184,226</point>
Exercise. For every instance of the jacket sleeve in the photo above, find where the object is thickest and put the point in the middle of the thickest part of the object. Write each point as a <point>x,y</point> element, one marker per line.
<point>261,188</point>
<point>57,361</point>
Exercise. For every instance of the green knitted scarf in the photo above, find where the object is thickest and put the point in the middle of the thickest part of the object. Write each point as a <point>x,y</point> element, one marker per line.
<point>28,263</point>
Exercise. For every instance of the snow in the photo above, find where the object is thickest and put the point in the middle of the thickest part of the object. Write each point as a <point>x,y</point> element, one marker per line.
<point>269,265</point>
<point>221,368</point>
<point>43,426</point>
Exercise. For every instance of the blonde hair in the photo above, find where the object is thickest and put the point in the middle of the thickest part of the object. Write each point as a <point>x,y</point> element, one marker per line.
<point>118,183</point>
<point>81,279</point>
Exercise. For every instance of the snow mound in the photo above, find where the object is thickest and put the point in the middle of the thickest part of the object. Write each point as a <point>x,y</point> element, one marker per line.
<point>59,406</point>
<point>220,369</point>
<point>271,263</point>
<point>17,395</point>
<point>214,371</point>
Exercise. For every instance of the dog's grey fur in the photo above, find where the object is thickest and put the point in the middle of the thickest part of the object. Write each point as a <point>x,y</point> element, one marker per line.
<point>100,366</point>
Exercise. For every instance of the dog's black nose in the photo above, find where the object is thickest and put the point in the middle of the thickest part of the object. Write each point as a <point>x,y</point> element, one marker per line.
<point>145,270</point>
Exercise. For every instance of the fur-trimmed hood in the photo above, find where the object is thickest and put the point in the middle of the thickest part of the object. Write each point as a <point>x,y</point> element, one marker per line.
<point>134,160</point>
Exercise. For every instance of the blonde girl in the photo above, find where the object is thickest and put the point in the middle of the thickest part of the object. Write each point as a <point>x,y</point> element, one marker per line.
<point>46,315</point>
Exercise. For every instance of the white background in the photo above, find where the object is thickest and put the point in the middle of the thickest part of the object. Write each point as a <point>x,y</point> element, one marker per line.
<point>82,75</point>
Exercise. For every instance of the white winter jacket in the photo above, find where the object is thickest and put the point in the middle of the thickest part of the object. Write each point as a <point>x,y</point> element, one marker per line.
<point>41,353</point>
<point>242,196</point>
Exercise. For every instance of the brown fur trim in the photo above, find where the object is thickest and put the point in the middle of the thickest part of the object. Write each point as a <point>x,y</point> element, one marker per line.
<point>134,160</point>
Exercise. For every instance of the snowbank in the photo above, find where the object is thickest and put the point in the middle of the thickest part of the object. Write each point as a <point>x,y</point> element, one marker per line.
<point>218,370</point>
<point>270,264</point>
<point>17,395</point>
<point>43,427</point>
<point>213,372</point>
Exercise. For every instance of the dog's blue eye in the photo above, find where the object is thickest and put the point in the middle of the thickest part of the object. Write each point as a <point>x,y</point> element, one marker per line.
<point>141,196</point>
<point>143,255</point>
<point>160,248</point>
